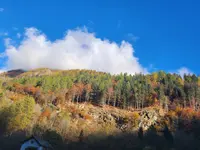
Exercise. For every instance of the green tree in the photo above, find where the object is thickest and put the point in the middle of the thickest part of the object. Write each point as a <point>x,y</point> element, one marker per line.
<point>20,114</point>
<point>161,95</point>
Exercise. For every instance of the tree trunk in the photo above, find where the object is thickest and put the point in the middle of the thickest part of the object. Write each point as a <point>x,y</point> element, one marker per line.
<point>108,99</point>
<point>77,99</point>
<point>114,103</point>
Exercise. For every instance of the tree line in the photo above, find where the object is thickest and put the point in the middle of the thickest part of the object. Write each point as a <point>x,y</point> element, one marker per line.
<point>122,90</point>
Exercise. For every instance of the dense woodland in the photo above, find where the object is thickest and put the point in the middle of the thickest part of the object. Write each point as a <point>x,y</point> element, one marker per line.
<point>123,91</point>
<point>64,107</point>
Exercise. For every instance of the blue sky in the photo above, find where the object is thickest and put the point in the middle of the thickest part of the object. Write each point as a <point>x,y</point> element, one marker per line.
<point>164,34</point>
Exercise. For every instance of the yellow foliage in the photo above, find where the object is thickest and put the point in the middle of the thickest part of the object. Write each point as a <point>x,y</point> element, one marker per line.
<point>198,81</point>
<point>20,114</point>
<point>187,113</point>
<point>178,110</point>
<point>181,81</point>
<point>15,97</point>
<point>171,114</point>
<point>136,115</point>
<point>155,76</point>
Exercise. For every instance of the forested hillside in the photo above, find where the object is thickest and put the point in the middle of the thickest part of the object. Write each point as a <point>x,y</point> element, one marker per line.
<point>123,91</point>
<point>75,104</point>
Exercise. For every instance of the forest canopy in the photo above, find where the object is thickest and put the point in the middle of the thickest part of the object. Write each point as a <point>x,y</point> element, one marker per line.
<point>123,90</point>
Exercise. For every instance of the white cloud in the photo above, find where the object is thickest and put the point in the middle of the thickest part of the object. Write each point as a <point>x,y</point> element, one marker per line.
<point>1,9</point>
<point>18,35</point>
<point>15,28</point>
<point>2,55</point>
<point>7,42</point>
<point>183,71</point>
<point>78,49</point>
<point>2,71</point>
<point>132,37</point>
<point>3,33</point>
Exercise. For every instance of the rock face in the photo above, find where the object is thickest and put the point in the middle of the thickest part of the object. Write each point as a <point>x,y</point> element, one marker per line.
<point>37,73</point>
<point>42,72</point>
<point>124,122</point>
<point>148,118</point>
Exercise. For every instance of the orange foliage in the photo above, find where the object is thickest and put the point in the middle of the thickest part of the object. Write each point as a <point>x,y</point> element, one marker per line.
<point>197,115</point>
<point>114,83</point>
<point>110,91</point>
<point>18,87</point>
<point>45,113</point>
<point>31,89</point>
<point>72,109</point>
<point>171,114</point>
<point>15,96</point>
<point>88,87</point>
<point>79,87</point>
<point>87,117</point>
<point>73,89</point>
<point>187,113</point>
<point>178,110</point>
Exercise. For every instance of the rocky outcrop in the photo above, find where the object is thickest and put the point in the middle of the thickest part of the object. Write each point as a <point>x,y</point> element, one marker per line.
<point>124,122</point>
<point>148,118</point>
<point>37,73</point>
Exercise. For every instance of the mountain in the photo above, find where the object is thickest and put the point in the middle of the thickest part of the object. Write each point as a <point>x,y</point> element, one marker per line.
<point>12,73</point>
<point>86,109</point>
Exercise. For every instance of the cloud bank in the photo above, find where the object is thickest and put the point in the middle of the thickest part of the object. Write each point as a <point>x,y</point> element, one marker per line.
<point>2,71</point>
<point>1,9</point>
<point>78,49</point>
<point>183,71</point>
